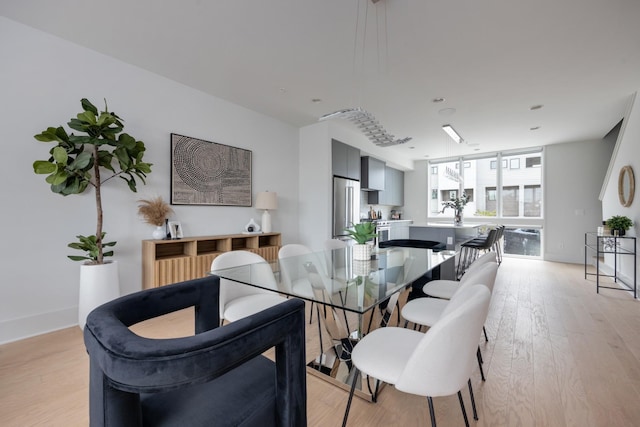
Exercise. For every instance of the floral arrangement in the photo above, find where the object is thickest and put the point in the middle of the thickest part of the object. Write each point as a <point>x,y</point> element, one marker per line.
<point>154,211</point>
<point>457,204</point>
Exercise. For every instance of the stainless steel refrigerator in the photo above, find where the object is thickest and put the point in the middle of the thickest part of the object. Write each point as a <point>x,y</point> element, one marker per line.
<point>346,205</point>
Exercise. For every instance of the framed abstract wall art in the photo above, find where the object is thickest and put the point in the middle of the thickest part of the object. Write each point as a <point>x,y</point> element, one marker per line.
<point>207,173</point>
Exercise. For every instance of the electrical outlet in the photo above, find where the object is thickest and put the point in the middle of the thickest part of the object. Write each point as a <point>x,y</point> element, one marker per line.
<point>449,240</point>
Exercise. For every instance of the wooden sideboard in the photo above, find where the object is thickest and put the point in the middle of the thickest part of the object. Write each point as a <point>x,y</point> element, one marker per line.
<point>171,261</point>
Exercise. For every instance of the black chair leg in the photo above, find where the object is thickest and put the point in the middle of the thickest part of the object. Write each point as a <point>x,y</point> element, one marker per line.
<point>480,364</point>
<point>464,412</point>
<point>473,400</point>
<point>480,359</point>
<point>432,413</point>
<point>353,389</point>
<point>486,338</point>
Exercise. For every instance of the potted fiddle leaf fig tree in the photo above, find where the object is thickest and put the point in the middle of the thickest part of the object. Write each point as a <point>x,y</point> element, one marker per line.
<point>98,154</point>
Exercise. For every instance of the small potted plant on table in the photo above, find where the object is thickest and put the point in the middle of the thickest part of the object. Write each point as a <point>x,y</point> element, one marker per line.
<point>362,233</point>
<point>619,224</point>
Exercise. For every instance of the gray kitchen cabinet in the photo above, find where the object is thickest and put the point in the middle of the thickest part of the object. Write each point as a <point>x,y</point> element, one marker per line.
<point>372,174</point>
<point>345,160</point>
<point>393,194</point>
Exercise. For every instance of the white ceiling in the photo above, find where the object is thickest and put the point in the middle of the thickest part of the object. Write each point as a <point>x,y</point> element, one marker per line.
<point>490,60</point>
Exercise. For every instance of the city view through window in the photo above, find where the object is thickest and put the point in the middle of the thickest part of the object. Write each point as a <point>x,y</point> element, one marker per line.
<point>500,189</point>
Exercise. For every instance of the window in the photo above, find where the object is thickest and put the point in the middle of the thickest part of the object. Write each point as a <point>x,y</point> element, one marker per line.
<point>522,241</point>
<point>533,201</point>
<point>510,200</point>
<point>533,162</point>
<point>502,189</point>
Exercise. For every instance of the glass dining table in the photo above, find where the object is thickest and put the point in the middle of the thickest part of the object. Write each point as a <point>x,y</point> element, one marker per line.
<point>345,295</point>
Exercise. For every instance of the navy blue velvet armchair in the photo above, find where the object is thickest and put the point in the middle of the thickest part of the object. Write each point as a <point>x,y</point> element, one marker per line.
<point>217,377</point>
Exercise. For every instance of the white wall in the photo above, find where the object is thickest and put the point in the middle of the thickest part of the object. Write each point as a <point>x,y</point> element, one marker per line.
<point>573,177</point>
<point>627,152</point>
<point>42,79</point>
<point>416,195</point>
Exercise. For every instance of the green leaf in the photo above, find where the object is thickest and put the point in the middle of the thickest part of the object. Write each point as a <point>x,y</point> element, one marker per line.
<point>57,178</point>
<point>88,117</point>
<point>88,106</point>
<point>77,257</point>
<point>127,141</point>
<point>123,157</point>
<point>60,155</point>
<point>82,161</point>
<point>43,167</point>
<point>78,125</point>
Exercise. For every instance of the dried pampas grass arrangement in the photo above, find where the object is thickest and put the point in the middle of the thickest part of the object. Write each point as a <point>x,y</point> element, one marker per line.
<point>154,211</point>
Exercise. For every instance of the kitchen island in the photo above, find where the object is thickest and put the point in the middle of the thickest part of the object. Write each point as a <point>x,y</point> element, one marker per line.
<point>451,235</point>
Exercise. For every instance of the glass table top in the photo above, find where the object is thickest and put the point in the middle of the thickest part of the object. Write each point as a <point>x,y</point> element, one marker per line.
<point>334,278</point>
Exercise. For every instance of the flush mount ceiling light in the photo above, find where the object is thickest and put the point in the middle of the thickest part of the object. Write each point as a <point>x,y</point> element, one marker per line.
<point>452,133</point>
<point>368,124</point>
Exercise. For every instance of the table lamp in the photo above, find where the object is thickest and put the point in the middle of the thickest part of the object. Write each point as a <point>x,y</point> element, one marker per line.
<point>266,200</point>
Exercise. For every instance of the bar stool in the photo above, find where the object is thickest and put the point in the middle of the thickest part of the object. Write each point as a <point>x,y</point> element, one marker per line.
<point>472,248</point>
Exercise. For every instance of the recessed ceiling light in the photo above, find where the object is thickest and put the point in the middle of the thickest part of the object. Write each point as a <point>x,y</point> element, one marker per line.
<point>437,100</point>
<point>535,128</point>
<point>536,107</point>
<point>282,90</point>
<point>316,100</point>
<point>412,148</point>
<point>426,155</point>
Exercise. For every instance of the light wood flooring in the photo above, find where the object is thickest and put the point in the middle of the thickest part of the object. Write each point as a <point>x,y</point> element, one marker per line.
<point>558,355</point>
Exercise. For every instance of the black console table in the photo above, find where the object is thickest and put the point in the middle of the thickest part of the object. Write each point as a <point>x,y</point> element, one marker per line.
<point>606,244</point>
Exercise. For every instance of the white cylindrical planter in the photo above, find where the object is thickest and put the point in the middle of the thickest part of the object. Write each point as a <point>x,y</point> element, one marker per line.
<point>362,252</point>
<point>99,283</point>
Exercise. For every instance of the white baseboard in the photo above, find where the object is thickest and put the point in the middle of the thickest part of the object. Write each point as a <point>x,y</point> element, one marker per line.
<point>26,327</point>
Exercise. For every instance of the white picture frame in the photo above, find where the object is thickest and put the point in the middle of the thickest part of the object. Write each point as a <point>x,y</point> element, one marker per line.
<point>175,230</point>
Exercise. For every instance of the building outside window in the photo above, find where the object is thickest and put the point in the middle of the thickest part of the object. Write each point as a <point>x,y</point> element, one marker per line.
<point>497,195</point>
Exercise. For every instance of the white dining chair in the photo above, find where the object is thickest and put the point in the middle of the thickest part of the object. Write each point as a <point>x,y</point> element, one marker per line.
<point>238,300</point>
<point>443,288</point>
<point>303,273</point>
<point>428,311</point>
<point>434,364</point>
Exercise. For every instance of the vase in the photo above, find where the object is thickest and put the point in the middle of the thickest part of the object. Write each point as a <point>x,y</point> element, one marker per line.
<point>99,283</point>
<point>159,233</point>
<point>362,252</point>
<point>361,268</point>
<point>457,218</point>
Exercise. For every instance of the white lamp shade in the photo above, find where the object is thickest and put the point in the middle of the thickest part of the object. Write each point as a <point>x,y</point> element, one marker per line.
<point>267,200</point>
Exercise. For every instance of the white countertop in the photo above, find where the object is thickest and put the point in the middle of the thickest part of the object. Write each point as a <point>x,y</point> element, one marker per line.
<point>447,225</point>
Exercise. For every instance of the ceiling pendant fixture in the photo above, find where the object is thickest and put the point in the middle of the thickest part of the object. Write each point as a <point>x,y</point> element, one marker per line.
<point>452,133</point>
<point>364,120</point>
<point>368,124</point>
